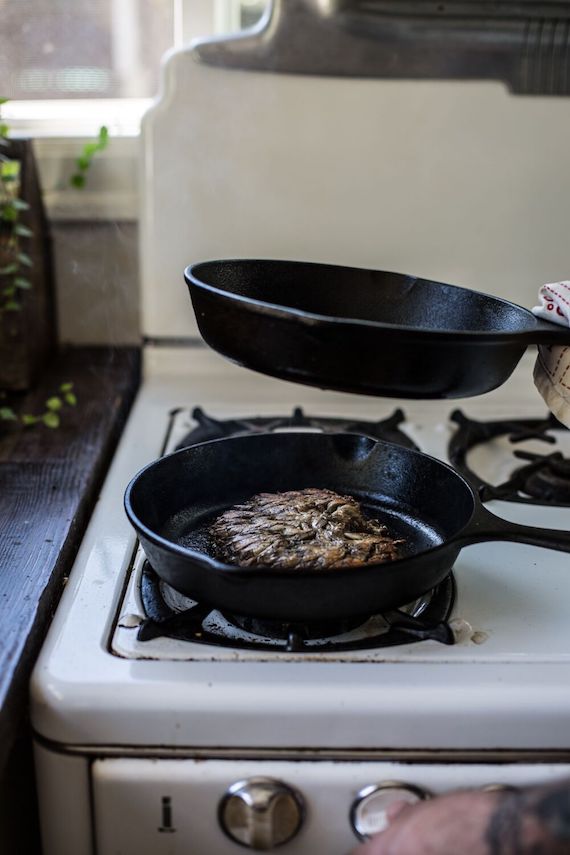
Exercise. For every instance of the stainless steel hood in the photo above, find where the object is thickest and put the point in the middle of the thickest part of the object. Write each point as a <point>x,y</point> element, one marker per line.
<point>525,44</point>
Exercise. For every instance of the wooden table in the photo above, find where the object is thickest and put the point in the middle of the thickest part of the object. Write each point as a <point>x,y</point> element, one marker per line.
<point>49,480</point>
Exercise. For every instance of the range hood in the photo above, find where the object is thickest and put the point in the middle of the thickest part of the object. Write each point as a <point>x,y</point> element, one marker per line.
<point>525,44</point>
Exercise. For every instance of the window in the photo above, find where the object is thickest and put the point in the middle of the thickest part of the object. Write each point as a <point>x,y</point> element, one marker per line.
<point>83,48</point>
<point>69,65</point>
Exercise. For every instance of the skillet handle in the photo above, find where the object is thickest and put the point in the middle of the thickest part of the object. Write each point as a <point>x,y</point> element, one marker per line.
<point>485,526</point>
<point>546,332</point>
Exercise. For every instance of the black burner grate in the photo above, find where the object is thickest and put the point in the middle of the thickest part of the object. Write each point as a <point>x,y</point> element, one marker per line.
<point>202,624</point>
<point>208,428</point>
<point>543,480</point>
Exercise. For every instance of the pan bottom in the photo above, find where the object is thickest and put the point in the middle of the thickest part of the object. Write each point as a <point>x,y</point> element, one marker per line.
<point>175,616</point>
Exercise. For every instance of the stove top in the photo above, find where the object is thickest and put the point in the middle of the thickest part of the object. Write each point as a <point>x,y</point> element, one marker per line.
<point>504,682</point>
<point>157,622</point>
<point>167,613</point>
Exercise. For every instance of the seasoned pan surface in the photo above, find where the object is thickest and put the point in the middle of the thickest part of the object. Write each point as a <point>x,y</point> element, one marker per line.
<point>360,330</point>
<point>172,501</point>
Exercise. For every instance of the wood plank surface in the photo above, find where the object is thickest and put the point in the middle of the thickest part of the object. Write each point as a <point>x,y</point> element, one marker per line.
<point>49,481</point>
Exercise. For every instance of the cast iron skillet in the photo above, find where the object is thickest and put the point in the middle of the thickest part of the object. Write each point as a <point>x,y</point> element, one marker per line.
<point>418,497</point>
<point>359,330</point>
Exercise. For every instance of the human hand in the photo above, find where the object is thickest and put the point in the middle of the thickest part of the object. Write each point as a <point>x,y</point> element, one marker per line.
<point>474,822</point>
<point>448,825</point>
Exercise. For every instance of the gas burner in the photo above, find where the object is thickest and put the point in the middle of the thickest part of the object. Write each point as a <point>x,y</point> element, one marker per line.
<point>211,428</point>
<point>282,629</point>
<point>544,479</point>
<point>173,615</point>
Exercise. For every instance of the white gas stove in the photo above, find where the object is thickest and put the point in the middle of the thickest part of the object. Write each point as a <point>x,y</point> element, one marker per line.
<point>166,742</point>
<point>148,736</point>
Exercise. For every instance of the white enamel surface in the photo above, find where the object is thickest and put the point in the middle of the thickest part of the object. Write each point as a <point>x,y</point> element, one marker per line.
<point>511,690</point>
<point>128,798</point>
<point>460,182</point>
<point>65,810</point>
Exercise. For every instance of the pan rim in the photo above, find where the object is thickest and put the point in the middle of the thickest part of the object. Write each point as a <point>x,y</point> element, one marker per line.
<point>211,563</point>
<point>313,318</point>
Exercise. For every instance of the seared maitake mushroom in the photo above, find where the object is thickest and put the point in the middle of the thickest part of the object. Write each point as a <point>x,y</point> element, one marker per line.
<point>301,528</point>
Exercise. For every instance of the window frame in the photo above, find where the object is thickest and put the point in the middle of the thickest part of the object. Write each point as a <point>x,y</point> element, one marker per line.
<point>59,129</point>
<point>79,117</point>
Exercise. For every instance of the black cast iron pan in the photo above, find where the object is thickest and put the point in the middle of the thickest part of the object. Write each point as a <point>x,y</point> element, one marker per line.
<point>172,500</point>
<point>363,331</point>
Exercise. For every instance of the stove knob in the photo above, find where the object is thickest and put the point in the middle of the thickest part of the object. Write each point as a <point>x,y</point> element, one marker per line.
<point>499,788</point>
<point>261,813</point>
<point>368,812</point>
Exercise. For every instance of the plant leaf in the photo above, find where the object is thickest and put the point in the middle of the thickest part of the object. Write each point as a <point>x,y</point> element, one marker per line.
<point>9,213</point>
<point>10,168</point>
<point>9,291</point>
<point>66,387</point>
<point>28,419</point>
<point>7,414</point>
<point>20,205</point>
<point>22,231</point>
<point>9,269</point>
<point>50,420</point>
<point>3,101</point>
<point>25,259</point>
<point>54,403</point>
<point>83,162</point>
<point>22,283</point>
<point>70,399</point>
<point>12,306</point>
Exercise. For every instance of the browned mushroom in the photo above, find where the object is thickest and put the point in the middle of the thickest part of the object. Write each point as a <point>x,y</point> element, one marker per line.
<point>301,528</point>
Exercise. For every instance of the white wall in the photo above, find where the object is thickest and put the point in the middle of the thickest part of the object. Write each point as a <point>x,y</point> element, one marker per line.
<point>97,287</point>
<point>94,240</point>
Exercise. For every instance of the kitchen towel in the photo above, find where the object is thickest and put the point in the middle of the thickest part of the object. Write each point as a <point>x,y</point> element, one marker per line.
<point>552,368</point>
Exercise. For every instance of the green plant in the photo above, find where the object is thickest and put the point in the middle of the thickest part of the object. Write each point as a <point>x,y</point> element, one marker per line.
<point>51,415</point>
<point>13,260</point>
<point>83,162</point>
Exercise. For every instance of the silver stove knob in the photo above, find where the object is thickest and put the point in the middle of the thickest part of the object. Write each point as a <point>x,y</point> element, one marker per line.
<point>368,812</point>
<point>261,813</point>
<point>499,788</point>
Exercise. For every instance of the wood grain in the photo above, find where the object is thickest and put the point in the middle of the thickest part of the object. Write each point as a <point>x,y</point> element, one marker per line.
<point>48,484</point>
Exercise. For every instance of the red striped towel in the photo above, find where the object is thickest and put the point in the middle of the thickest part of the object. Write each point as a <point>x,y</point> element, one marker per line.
<point>552,369</point>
